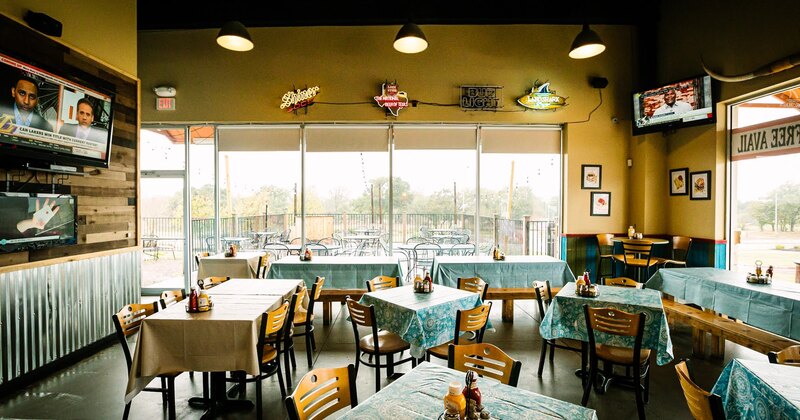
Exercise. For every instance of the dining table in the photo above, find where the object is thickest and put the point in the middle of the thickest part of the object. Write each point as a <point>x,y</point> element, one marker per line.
<point>417,395</point>
<point>772,307</point>
<point>424,320</point>
<point>565,317</point>
<point>757,389</point>
<point>243,265</point>
<point>220,340</point>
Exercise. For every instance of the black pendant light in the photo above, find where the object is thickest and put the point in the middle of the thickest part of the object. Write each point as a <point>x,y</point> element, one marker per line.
<point>410,39</point>
<point>234,36</point>
<point>587,44</point>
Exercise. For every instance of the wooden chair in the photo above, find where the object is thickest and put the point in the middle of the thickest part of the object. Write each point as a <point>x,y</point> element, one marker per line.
<point>295,305</point>
<point>544,297</point>
<point>680,252</point>
<point>200,255</point>
<point>305,318</point>
<point>487,360</point>
<point>703,405</point>
<point>263,266</point>
<point>210,282</point>
<point>127,322</point>
<point>474,285</point>
<point>637,254</point>
<point>382,282</point>
<point>605,251</point>
<point>623,282</point>
<point>322,392</point>
<point>619,323</point>
<point>469,320</point>
<point>787,356</point>
<point>171,297</point>
<point>377,344</point>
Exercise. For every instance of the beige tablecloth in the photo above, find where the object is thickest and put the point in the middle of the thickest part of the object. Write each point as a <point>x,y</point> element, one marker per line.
<point>243,265</point>
<point>223,339</point>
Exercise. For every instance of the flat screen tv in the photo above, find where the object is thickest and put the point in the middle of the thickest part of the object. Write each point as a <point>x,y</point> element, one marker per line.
<point>34,221</point>
<point>674,105</point>
<point>49,118</point>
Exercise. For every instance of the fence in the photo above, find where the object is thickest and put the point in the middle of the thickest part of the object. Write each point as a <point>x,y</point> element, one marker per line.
<point>515,236</point>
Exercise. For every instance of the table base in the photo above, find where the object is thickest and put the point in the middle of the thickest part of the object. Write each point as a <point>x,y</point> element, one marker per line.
<point>219,402</point>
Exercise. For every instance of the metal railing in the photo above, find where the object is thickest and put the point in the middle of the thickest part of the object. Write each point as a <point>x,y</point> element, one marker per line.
<point>515,236</point>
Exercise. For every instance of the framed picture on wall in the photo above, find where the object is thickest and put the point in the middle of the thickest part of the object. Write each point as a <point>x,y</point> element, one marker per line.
<point>677,181</point>
<point>601,204</point>
<point>700,185</point>
<point>591,177</point>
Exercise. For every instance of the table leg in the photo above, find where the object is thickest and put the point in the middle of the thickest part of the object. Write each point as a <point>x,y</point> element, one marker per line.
<point>698,343</point>
<point>326,313</point>
<point>508,310</point>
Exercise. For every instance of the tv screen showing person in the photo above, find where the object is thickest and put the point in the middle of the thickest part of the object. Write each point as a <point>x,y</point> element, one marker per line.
<point>23,108</point>
<point>84,128</point>
<point>672,106</point>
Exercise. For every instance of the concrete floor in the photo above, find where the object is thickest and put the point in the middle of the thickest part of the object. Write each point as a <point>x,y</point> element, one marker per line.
<point>94,387</point>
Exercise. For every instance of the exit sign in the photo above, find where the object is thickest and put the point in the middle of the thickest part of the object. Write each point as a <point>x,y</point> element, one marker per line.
<point>165,104</point>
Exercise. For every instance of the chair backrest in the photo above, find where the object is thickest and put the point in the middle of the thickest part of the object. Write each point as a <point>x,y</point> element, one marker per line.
<point>210,243</point>
<point>487,360</point>
<point>170,297</point>
<point>273,323</point>
<point>322,392</point>
<point>364,316</point>
<point>382,282</point>
<point>544,295</point>
<point>128,321</point>
<point>680,247</point>
<point>472,320</point>
<point>787,356</point>
<point>605,242</point>
<point>200,255</point>
<point>284,236</point>
<point>474,285</point>
<point>637,249</point>
<point>623,282</point>
<point>702,405</point>
<point>263,265</point>
<point>615,322</point>
<point>316,291</point>
<point>297,300</point>
<point>210,282</point>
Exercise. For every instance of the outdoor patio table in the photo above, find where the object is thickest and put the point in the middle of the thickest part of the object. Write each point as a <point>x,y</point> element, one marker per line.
<point>418,395</point>
<point>243,265</point>
<point>340,272</point>
<point>424,320</point>
<point>220,340</point>
<point>773,307</point>
<point>517,271</point>
<point>251,287</point>
<point>565,318</point>
<point>446,248</point>
<point>759,390</point>
<point>295,248</point>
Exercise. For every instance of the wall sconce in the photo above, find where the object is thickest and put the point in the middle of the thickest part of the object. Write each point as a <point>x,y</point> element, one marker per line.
<point>587,44</point>
<point>234,36</point>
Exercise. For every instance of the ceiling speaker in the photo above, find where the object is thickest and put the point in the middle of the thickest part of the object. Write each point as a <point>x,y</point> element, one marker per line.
<point>43,23</point>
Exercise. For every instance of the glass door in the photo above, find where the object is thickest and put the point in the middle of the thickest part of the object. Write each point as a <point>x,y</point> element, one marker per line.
<point>163,204</point>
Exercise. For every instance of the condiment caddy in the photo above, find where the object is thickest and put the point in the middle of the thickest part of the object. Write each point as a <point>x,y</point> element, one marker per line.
<point>584,286</point>
<point>497,255</point>
<point>758,277</point>
<point>231,252</point>
<point>199,301</point>
<point>306,255</point>
<point>423,285</point>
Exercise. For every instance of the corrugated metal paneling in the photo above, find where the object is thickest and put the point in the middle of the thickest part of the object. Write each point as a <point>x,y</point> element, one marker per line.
<point>49,312</point>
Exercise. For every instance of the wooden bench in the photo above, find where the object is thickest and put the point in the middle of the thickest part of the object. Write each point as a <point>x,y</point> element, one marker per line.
<point>722,328</point>
<point>328,296</point>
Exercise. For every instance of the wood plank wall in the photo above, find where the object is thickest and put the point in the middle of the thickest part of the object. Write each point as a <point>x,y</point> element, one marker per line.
<point>107,198</point>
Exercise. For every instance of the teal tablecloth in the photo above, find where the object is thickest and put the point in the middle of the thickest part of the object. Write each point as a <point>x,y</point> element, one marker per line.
<point>418,394</point>
<point>516,271</point>
<point>773,307</point>
<point>759,390</point>
<point>340,272</point>
<point>425,320</point>
<point>565,319</point>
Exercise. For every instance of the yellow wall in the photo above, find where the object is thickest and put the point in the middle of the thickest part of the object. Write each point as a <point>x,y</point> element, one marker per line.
<point>732,38</point>
<point>105,30</point>
<point>349,63</point>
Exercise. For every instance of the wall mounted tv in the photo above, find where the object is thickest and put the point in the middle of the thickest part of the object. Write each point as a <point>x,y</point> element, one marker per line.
<point>674,105</point>
<point>47,118</point>
<point>35,221</point>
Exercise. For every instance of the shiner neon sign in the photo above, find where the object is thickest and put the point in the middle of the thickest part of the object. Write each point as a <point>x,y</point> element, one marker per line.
<point>299,98</point>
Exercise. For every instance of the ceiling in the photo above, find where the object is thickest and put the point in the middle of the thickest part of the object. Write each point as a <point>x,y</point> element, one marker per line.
<point>168,15</point>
